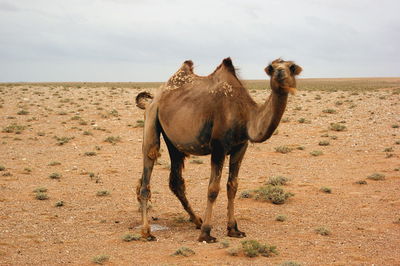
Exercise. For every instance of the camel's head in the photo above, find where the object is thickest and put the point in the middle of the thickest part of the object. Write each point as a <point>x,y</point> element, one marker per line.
<point>283,75</point>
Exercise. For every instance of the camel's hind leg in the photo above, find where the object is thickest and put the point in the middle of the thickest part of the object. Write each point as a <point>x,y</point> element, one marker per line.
<point>177,183</point>
<point>235,160</point>
<point>151,146</point>
<point>217,162</point>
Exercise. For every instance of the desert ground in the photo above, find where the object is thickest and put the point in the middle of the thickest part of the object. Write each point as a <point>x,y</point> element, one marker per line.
<point>70,160</point>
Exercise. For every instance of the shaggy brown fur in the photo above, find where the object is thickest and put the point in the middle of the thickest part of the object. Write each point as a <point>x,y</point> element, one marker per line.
<point>209,115</point>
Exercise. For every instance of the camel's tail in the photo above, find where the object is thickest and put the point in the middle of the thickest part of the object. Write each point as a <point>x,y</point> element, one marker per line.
<point>143,99</point>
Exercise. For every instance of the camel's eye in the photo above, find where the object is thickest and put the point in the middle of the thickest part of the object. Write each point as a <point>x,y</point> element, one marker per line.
<point>293,68</point>
<point>269,69</point>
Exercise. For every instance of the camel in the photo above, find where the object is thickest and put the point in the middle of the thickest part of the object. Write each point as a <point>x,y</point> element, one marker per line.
<point>202,115</point>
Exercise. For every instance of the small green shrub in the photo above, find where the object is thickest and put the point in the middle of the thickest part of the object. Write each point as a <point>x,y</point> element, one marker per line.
<point>139,123</point>
<point>196,161</point>
<point>376,176</point>
<point>322,231</point>
<point>361,182</point>
<point>316,153</point>
<point>100,259</point>
<point>2,168</point>
<point>390,149</point>
<point>59,203</point>
<point>14,128</point>
<point>55,176</point>
<point>337,127</point>
<point>41,196</point>
<point>54,163</point>
<point>22,112</point>
<point>329,111</point>
<point>323,143</point>
<point>183,251</point>
<point>252,248</point>
<point>112,139</point>
<point>283,149</point>
<point>62,140</point>
<point>326,190</point>
<point>40,189</point>
<point>274,194</point>
<point>280,218</point>
<point>131,237</point>
<point>102,193</point>
<point>277,181</point>
<point>90,153</point>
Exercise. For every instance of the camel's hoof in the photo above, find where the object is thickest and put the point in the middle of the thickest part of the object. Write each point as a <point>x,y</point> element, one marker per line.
<point>207,238</point>
<point>236,233</point>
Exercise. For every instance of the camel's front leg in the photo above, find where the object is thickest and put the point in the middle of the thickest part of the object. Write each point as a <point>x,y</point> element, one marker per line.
<point>232,185</point>
<point>151,146</point>
<point>217,162</point>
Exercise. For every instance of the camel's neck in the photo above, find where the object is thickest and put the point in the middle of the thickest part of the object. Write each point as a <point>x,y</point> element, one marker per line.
<point>266,117</point>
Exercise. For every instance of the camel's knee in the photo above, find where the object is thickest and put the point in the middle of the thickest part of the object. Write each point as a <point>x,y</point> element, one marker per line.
<point>213,194</point>
<point>153,153</point>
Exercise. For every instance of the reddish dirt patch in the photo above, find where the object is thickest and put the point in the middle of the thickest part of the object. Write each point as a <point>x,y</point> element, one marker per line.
<point>361,218</point>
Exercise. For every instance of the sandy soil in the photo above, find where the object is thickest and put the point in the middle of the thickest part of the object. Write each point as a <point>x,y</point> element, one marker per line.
<point>363,220</point>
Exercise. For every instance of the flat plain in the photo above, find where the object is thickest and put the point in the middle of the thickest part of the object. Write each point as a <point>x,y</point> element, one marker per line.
<point>70,160</point>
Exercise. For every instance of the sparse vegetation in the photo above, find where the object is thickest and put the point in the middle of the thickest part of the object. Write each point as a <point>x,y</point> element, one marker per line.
<point>252,248</point>
<point>283,149</point>
<point>23,112</point>
<point>14,128</point>
<point>337,127</point>
<point>131,237</point>
<point>196,161</point>
<point>280,218</point>
<point>277,181</point>
<point>329,111</point>
<point>183,251</point>
<point>376,176</point>
<point>112,139</point>
<point>316,153</point>
<point>326,190</point>
<point>323,143</point>
<point>55,176</point>
<point>274,194</point>
<point>59,203</point>
<point>62,140</point>
<point>361,182</point>
<point>100,259</point>
<point>322,231</point>
<point>139,123</point>
<point>90,153</point>
<point>102,193</point>
<point>41,196</point>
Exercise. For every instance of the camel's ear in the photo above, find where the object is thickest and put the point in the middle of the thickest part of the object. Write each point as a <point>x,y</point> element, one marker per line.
<point>269,70</point>
<point>295,69</point>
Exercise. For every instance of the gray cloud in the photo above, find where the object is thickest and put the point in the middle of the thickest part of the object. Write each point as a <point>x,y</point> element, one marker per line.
<point>121,40</point>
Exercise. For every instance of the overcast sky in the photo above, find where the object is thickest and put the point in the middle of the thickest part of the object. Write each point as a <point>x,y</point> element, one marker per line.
<point>138,40</point>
